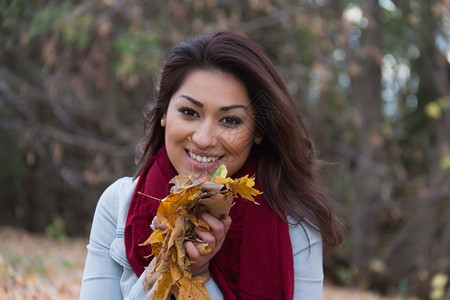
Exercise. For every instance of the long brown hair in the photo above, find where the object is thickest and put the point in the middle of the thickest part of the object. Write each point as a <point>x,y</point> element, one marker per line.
<point>288,165</point>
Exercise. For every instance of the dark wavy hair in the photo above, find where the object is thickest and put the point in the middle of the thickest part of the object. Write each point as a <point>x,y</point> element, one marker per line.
<point>287,169</point>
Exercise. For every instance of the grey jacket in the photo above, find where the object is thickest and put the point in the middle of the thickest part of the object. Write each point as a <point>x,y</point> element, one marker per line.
<point>108,275</point>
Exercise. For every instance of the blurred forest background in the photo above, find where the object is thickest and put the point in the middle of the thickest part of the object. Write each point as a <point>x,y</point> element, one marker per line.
<point>371,79</point>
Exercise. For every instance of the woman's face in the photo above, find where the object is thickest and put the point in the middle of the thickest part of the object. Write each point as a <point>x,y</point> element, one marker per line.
<point>209,122</point>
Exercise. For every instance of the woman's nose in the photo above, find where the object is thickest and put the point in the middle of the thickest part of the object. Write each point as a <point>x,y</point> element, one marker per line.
<point>205,135</point>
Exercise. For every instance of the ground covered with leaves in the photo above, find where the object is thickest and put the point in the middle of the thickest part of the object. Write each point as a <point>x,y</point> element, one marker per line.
<point>37,267</point>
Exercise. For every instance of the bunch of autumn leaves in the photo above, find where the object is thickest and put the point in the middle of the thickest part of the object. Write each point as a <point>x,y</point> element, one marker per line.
<point>180,211</point>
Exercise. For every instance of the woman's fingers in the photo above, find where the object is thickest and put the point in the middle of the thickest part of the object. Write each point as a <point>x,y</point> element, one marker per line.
<point>157,225</point>
<point>194,254</point>
<point>214,238</point>
<point>218,227</point>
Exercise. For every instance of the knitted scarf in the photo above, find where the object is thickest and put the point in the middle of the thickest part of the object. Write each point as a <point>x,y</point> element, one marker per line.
<point>255,261</point>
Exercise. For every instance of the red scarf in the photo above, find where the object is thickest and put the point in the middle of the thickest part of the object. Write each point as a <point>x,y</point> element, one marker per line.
<point>255,261</point>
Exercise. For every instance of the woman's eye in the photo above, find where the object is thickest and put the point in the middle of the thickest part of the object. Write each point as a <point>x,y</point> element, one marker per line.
<point>231,121</point>
<point>188,112</point>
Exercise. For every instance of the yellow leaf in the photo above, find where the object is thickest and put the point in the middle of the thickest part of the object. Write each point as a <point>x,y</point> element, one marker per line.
<point>219,179</point>
<point>181,254</point>
<point>175,270</point>
<point>185,197</point>
<point>244,187</point>
<point>163,211</point>
<point>156,237</point>
<point>192,289</point>
<point>194,195</point>
<point>203,248</point>
<point>165,284</point>
<point>156,249</point>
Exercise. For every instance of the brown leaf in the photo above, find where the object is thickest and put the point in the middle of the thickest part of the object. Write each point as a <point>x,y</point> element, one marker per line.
<point>198,223</point>
<point>212,187</point>
<point>177,233</point>
<point>218,205</point>
<point>150,279</point>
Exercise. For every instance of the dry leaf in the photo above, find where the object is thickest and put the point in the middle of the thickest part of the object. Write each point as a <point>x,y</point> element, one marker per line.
<point>218,205</point>
<point>203,248</point>
<point>180,211</point>
<point>242,186</point>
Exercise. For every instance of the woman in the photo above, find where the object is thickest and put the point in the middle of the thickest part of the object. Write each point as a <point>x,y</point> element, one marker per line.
<point>221,101</point>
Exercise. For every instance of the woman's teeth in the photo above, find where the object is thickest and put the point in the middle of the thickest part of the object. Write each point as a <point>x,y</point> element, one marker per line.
<point>203,159</point>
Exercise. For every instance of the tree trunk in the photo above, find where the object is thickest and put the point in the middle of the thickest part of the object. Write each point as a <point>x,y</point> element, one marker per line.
<point>425,236</point>
<point>365,74</point>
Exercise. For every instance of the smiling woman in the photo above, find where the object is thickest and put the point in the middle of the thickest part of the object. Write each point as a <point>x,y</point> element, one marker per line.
<point>220,101</point>
<point>209,123</point>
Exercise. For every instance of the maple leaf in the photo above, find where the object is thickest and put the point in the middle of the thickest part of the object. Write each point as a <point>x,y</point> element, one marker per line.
<point>244,187</point>
<point>223,180</point>
<point>192,289</point>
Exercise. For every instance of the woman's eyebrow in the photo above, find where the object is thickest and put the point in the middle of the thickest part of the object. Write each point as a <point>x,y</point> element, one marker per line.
<point>195,102</point>
<point>224,108</point>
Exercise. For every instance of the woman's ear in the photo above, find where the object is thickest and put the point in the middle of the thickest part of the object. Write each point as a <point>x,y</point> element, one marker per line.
<point>163,121</point>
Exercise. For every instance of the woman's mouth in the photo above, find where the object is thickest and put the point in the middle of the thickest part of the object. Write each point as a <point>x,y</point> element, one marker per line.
<point>197,158</point>
<point>203,159</point>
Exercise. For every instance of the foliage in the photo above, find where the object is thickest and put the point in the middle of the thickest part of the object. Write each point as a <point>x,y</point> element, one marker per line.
<point>33,266</point>
<point>370,77</point>
<point>181,211</point>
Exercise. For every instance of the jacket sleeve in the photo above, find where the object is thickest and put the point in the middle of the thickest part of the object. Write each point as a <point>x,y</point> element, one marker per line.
<point>102,274</point>
<point>308,268</point>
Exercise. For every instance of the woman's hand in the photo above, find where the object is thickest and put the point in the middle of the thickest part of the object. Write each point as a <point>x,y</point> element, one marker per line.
<point>214,238</point>
<point>156,225</point>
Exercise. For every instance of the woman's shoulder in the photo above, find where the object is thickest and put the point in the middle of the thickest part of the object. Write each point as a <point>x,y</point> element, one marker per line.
<point>121,185</point>
<point>118,191</point>
<point>117,197</point>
